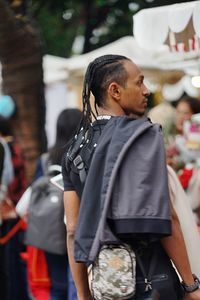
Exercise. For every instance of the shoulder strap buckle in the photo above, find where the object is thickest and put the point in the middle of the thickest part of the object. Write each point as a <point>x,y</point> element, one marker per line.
<point>80,165</point>
<point>78,162</point>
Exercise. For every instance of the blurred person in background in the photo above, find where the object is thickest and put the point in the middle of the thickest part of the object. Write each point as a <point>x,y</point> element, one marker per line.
<point>164,114</point>
<point>61,283</point>
<point>183,150</point>
<point>15,265</point>
<point>185,108</point>
<point>58,265</point>
<point>3,274</point>
<point>177,154</point>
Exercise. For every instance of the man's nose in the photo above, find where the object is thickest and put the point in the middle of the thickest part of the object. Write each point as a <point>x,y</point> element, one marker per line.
<point>146,91</point>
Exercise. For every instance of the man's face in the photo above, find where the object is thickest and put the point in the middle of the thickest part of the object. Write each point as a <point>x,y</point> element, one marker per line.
<point>134,95</point>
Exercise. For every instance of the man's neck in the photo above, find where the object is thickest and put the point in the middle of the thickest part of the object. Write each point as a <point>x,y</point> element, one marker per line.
<point>117,112</point>
<point>134,116</point>
<point>103,111</point>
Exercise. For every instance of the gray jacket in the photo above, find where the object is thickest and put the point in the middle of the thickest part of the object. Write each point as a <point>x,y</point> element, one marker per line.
<point>132,192</point>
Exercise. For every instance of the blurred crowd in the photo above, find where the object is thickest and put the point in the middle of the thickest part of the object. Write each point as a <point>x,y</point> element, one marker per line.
<point>180,122</point>
<point>28,272</point>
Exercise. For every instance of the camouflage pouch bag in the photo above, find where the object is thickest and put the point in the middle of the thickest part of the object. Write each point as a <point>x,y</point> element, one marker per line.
<point>114,273</point>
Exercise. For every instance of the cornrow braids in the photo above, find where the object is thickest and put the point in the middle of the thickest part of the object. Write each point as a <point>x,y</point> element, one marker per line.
<point>99,74</point>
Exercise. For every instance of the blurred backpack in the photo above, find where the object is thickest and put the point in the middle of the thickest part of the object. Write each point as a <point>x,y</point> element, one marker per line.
<point>45,228</point>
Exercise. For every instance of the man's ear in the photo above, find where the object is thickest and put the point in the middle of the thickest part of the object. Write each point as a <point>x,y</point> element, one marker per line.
<point>114,90</point>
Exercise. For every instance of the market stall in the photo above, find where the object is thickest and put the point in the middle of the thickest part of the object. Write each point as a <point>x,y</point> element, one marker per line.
<point>175,30</point>
<point>174,25</point>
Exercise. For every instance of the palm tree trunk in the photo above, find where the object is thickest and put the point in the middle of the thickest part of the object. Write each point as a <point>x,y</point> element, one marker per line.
<point>22,74</point>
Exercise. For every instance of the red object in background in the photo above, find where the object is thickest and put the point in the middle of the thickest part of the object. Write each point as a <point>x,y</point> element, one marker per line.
<point>20,225</point>
<point>185,177</point>
<point>172,151</point>
<point>38,277</point>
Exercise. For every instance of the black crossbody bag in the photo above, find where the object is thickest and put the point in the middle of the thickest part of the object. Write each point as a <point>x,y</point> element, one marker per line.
<point>145,282</point>
<point>150,283</point>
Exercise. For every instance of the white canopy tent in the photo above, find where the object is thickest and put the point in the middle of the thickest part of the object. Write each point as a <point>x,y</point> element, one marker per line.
<point>161,59</point>
<point>165,38</point>
<point>173,29</point>
<point>160,66</point>
<point>57,93</point>
<point>176,25</point>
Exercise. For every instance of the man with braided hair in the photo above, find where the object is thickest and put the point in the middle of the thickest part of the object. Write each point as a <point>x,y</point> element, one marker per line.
<point>143,214</point>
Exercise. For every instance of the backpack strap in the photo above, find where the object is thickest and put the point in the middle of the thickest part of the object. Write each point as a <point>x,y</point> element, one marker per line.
<point>54,168</point>
<point>75,145</point>
<point>147,275</point>
<point>47,168</point>
<point>80,166</point>
<point>45,162</point>
<point>80,152</point>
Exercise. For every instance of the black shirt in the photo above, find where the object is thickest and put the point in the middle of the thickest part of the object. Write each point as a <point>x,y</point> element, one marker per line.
<point>71,178</point>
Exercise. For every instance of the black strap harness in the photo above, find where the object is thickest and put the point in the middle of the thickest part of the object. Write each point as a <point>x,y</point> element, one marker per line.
<point>81,150</point>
